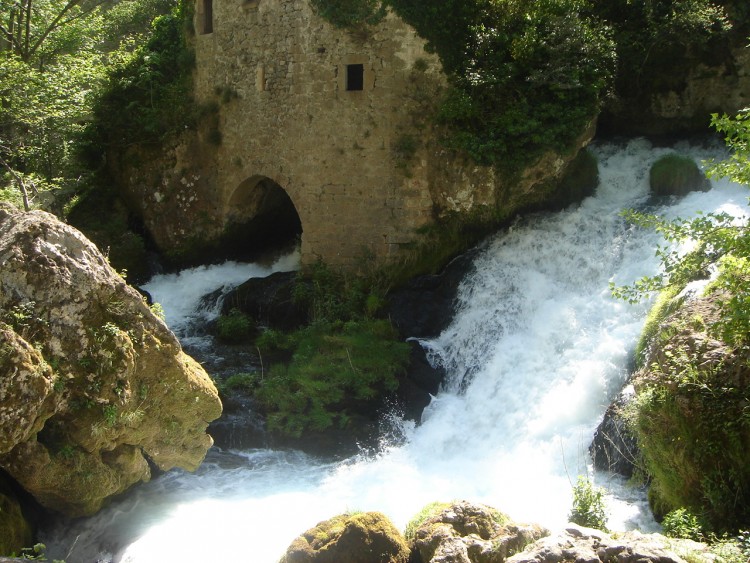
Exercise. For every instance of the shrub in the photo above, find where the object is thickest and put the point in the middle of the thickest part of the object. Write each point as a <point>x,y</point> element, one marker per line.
<point>588,505</point>
<point>337,370</point>
<point>681,523</point>
<point>674,174</point>
<point>234,327</point>
<point>246,382</point>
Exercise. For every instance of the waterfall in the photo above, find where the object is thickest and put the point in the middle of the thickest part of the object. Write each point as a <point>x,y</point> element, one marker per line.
<point>536,351</point>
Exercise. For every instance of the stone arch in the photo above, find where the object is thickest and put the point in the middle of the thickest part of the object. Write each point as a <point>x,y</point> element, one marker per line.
<point>261,217</point>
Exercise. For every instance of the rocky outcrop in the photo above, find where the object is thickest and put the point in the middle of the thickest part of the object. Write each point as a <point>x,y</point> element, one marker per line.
<point>691,420</point>
<point>365,537</point>
<point>93,385</point>
<point>614,447</point>
<point>471,533</point>
<point>593,546</point>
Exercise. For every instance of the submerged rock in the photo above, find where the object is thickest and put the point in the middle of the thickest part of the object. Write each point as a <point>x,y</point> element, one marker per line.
<point>93,385</point>
<point>365,537</point>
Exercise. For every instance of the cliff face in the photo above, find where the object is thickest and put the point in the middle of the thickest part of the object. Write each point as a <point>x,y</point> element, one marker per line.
<point>92,383</point>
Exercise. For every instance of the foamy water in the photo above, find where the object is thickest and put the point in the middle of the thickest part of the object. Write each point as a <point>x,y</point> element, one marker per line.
<point>536,351</point>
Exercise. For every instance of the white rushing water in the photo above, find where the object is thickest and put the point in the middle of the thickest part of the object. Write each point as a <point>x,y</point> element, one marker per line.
<point>537,349</point>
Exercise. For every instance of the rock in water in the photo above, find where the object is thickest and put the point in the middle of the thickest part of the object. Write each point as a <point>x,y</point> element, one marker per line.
<point>465,532</point>
<point>365,537</point>
<point>92,383</point>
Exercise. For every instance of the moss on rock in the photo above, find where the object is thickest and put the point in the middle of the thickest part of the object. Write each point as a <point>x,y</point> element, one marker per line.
<point>674,174</point>
<point>691,418</point>
<point>15,531</point>
<point>365,537</point>
<point>94,383</point>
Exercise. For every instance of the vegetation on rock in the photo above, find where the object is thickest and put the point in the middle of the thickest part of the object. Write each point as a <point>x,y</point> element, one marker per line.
<point>674,174</point>
<point>690,415</point>
<point>341,365</point>
<point>361,537</point>
<point>588,505</point>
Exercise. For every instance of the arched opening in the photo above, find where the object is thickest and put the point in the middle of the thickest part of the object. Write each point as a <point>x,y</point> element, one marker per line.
<point>261,220</point>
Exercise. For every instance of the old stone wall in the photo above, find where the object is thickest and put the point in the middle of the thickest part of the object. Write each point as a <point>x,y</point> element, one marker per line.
<point>279,74</point>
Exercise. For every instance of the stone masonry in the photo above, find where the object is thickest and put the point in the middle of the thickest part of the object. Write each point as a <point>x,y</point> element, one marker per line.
<point>294,121</point>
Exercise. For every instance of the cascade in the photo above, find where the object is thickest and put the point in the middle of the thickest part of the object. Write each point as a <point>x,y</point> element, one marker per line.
<point>535,353</point>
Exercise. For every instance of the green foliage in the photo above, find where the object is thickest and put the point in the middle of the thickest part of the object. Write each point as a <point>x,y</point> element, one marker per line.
<point>692,426</point>
<point>736,132</point>
<point>588,505</point>
<point>110,415</point>
<point>657,38</point>
<point>332,295</point>
<point>350,13</point>
<point>681,523</point>
<point>51,71</point>
<point>148,89</point>
<point>530,79</point>
<point>246,382</point>
<point>337,370</point>
<point>99,213</point>
<point>675,174</point>
<point>234,327</point>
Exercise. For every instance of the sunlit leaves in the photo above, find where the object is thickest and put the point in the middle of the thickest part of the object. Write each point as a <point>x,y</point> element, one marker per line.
<point>720,244</point>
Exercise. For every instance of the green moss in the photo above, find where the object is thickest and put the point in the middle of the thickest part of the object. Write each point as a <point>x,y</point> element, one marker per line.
<point>15,531</point>
<point>674,174</point>
<point>665,305</point>
<point>692,424</point>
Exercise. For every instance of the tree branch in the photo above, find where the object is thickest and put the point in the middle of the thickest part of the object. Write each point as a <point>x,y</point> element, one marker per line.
<point>21,185</point>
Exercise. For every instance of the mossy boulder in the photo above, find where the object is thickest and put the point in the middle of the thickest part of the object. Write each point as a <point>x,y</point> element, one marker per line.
<point>94,386</point>
<point>465,532</point>
<point>365,537</point>
<point>690,417</point>
<point>674,174</point>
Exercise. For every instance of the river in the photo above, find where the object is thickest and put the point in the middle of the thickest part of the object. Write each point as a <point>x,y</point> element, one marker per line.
<point>536,351</point>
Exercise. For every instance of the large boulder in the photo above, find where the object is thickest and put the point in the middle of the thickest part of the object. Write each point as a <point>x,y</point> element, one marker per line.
<point>464,532</point>
<point>587,545</point>
<point>93,385</point>
<point>690,415</point>
<point>364,537</point>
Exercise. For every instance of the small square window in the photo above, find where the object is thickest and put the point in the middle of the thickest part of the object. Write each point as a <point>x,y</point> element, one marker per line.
<point>355,77</point>
<point>208,17</point>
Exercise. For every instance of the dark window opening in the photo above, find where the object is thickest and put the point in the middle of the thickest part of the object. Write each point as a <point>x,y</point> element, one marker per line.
<point>208,16</point>
<point>355,77</point>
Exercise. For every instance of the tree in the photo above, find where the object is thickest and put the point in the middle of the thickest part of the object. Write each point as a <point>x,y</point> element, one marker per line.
<point>53,59</point>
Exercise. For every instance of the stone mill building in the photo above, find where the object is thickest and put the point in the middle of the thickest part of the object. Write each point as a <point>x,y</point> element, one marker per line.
<point>317,131</point>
